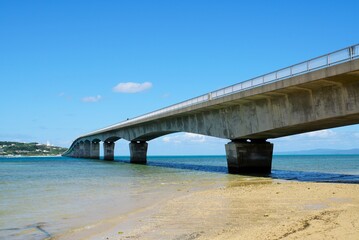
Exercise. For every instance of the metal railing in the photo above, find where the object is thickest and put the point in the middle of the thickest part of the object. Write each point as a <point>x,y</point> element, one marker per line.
<point>327,60</point>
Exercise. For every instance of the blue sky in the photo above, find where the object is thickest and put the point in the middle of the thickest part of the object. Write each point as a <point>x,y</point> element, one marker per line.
<point>64,65</point>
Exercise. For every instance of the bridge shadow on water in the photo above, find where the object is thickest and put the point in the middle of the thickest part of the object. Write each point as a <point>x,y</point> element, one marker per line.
<point>293,175</point>
<point>314,176</point>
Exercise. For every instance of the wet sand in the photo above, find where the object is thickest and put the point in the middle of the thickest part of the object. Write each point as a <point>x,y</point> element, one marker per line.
<point>265,209</point>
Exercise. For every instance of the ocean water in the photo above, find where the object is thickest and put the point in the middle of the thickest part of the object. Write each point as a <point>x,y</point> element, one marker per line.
<point>42,197</point>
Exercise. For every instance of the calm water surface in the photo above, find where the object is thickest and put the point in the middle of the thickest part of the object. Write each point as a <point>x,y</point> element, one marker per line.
<point>43,197</point>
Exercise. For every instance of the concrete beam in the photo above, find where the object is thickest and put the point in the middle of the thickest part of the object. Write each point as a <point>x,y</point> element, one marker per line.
<point>138,152</point>
<point>109,150</point>
<point>253,157</point>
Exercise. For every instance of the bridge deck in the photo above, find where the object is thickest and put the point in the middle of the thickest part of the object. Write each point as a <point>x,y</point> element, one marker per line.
<point>286,102</point>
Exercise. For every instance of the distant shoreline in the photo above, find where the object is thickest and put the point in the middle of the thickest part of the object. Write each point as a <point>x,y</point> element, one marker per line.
<point>20,156</point>
<point>354,151</point>
<point>20,149</point>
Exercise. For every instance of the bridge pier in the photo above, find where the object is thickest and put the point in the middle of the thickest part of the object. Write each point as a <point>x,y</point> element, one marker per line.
<point>138,152</point>
<point>87,146</point>
<point>95,150</point>
<point>81,150</point>
<point>76,153</point>
<point>109,151</point>
<point>73,152</point>
<point>249,157</point>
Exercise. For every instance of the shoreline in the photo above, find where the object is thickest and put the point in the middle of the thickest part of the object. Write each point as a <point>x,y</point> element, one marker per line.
<point>30,156</point>
<point>280,154</point>
<point>266,209</point>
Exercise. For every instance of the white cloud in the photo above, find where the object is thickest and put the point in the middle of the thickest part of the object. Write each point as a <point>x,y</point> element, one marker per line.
<point>92,99</point>
<point>131,87</point>
<point>321,134</point>
<point>172,139</point>
<point>185,138</point>
<point>192,137</point>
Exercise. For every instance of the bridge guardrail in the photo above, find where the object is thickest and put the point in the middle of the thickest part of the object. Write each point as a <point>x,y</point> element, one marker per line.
<point>327,60</point>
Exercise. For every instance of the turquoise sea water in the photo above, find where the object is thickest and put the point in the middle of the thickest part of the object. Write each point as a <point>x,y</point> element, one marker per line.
<point>44,197</point>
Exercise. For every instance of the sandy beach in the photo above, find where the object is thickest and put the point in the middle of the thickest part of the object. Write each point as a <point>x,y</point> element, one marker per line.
<point>265,209</point>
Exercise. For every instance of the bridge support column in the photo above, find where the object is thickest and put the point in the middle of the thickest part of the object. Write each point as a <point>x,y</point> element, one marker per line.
<point>87,149</point>
<point>109,150</point>
<point>81,150</point>
<point>138,152</point>
<point>95,150</point>
<point>76,152</point>
<point>249,157</point>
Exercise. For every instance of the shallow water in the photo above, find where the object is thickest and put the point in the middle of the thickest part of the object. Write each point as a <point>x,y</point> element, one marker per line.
<point>43,197</point>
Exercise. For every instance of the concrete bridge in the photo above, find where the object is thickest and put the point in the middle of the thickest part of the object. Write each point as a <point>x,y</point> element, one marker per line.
<point>316,94</point>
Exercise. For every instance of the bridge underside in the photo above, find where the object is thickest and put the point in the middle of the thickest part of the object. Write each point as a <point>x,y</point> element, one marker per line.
<point>318,100</point>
